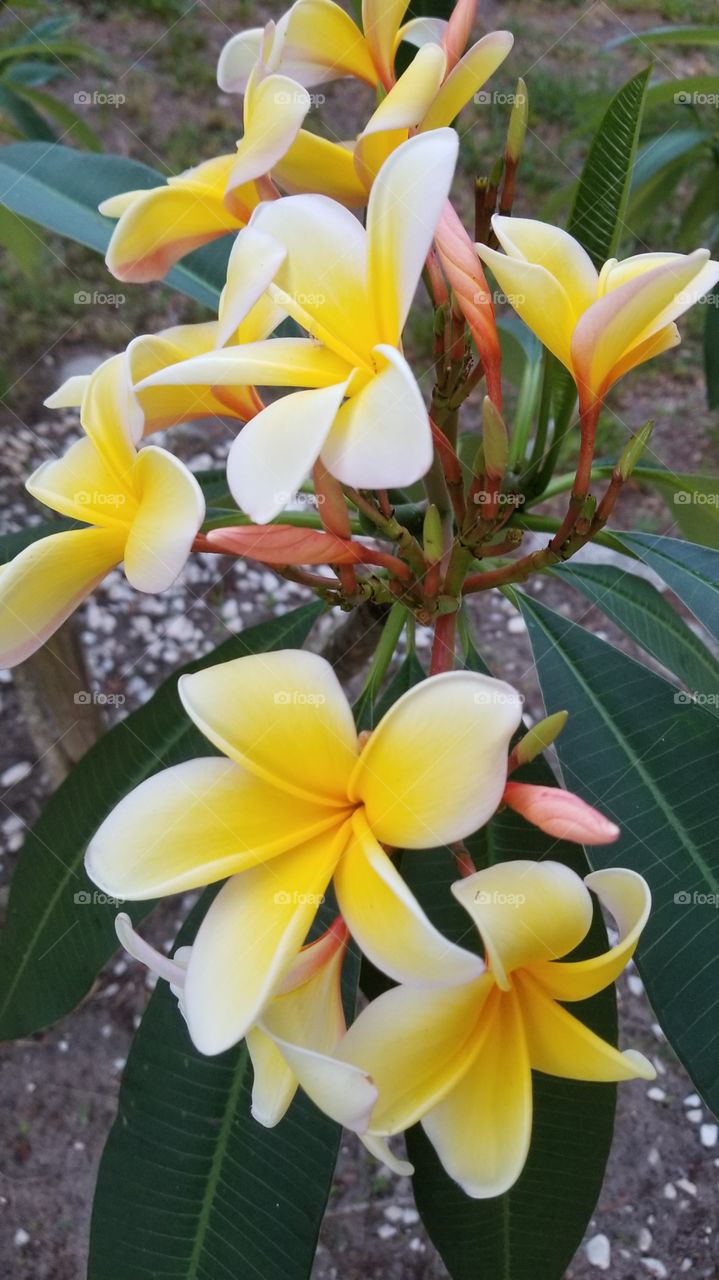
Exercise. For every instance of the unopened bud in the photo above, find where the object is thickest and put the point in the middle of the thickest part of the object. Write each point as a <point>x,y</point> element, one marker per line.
<point>517,123</point>
<point>495,439</point>
<point>432,535</point>
<point>560,814</point>
<point>633,451</point>
<point>539,737</point>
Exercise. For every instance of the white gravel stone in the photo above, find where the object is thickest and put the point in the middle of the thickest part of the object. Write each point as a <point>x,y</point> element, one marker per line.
<point>695,1116</point>
<point>692,1100</point>
<point>685,1185</point>
<point>635,984</point>
<point>670,1191</point>
<point>708,1135</point>
<point>645,1240</point>
<point>15,773</point>
<point>21,1238</point>
<point>385,1232</point>
<point>516,626</point>
<point>656,1095</point>
<point>599,1253</point>
<point>655,1268</point>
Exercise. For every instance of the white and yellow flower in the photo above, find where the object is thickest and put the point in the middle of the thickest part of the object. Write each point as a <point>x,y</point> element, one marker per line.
<point>295,801</point>
<point>598,324</point>
<point>350,289</point>
<point>143,508</point>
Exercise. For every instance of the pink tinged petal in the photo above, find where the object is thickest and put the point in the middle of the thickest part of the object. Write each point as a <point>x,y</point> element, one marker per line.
<point>633,313</point>
<point>560,1045</point>
<point>196,823</point>
<point>321,42</point>
<point>275,108</point>
<point>660,342</point>
<point>459,29</point>
<point>471,292</point>
<point>249,939</point>
<point>560,813</point>
<point>380,437</point>
<point>560,254</point>
<point>626,896</point>
<point>403,211</point>
<point>284,716</point>
<point>526,912</point>
<point>309,1013</point>
<point>254,262</point>
<point>435,767</point>
<point>482,1129</point>
<point>275,1083</point>
<point>276,451</point>
<point>46,582</point>
<point>381,20</point>
<point>387,920</point>
<point>415,1042</point>
<point>170,511</point>
<point>471,72</point>
<point>381,1150</point>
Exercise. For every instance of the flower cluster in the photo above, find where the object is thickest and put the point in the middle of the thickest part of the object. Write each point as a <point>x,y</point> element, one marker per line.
<point>330,242</point>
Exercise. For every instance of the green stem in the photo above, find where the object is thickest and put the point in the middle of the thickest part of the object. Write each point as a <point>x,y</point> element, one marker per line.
<point>528,392</point>
<point>385,651</point>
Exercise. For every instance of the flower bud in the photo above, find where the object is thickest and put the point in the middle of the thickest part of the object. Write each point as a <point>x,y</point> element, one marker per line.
<point>495,439</point>
<point>559,813</point>
<point>540,736</point>
<point>517,124</point>
<point>633,450</point>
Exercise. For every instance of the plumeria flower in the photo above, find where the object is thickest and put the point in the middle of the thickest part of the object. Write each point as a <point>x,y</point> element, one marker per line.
<point>459,1057</point>
<point>298,799</point>
<point>598,324</point>
<point>350,289</point>
<point>143,508</point>
<point>159,226</point>
<point>300,1027</point>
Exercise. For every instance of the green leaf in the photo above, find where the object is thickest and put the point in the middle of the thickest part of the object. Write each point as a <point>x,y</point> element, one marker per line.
<point>70,122</point>
<point>692,572</point>
<point>682,90</point>
<point>649,762</point>
<point>28,122</point>
<point>21,242</point>
<point>692,499</point>
<point>643,613</point>
<point>711,349</point>
<point>190,1186</point>
<point>11,544</point>
<point>61,188</point>
<point>59,931</point>
<point>531,1232</point>
<point>669,35</point>
<point>659,161</point>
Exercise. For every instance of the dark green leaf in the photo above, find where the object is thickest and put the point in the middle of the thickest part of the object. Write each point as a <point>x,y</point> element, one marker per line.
<point>669,35</point>
<point>692,572</point>
<point>647,760</point>
<point>59,931</point>
<point>711,346</point>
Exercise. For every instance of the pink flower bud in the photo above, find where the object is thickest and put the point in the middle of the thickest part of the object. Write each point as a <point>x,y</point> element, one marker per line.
<point>464,273</point>
<point>458,31</point>
<point>560,813</point>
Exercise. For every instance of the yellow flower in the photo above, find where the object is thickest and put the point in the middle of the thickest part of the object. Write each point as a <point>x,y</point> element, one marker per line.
<point>143,507</point>
<point>300,1027</point>
<point>459,1057</point>
<point>351,290</point>
<point>297,800</point>
<point>599,325</point>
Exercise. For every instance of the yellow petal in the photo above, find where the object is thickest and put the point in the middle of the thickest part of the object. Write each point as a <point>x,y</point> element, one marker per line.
<point>166,405</point>
<point>253,264</point>
<point>250,937</point>
<point>526,912</point>
<point>275,107</point>
<point>275,1083</point>
<point>559,253</point>
<point>79,484</point>
<point>415,1042</point>
<point>560,1045</point>
<point>195,823</point>
<point>69,394</point>
<point>403,211</point>
<point>42,586</point>
<point>402,109</point>
<point>274,362</point>
<point>111,415</point>
<point>471,72</point>
<point>380,436</point>
<point>343,1092</point>
<point>388,922</point>
<point>314,163</point>
<point>163,224</point>
<point>615,273</point>
<point>381,1150</point>
<point>626,896</point>
<point>381,21</point>
<point>283,715</point>
<point>482,1129</point>
<point>170,510</point>
<point>538,298</point>
<point>664,340</point>
<point>435,767</point>
<point>321,42</point>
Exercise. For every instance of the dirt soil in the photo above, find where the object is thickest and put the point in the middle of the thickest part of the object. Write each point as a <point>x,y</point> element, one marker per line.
<point>656,1216</point>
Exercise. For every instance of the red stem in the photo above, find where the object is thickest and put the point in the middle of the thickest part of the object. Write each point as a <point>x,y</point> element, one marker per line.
<point>445,629</point>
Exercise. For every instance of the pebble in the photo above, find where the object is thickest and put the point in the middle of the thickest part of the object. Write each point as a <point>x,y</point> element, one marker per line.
<point>21,1238</point>
<point>599,1253</point>
<point>15,773</point>
<point>670,1191</point>
<point>695,1117</point>
<point>653,1157</point>
<point>686,1264</point>
<point>635,984</point>
<point>645,1240</point>
<point>708,1135</point>
<point>385,1232</point>
<point>656,1095</point>
<point>655,1268</point>
<point>516,626</point>
<point>685,1185</point>
<point>692,1100</point>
